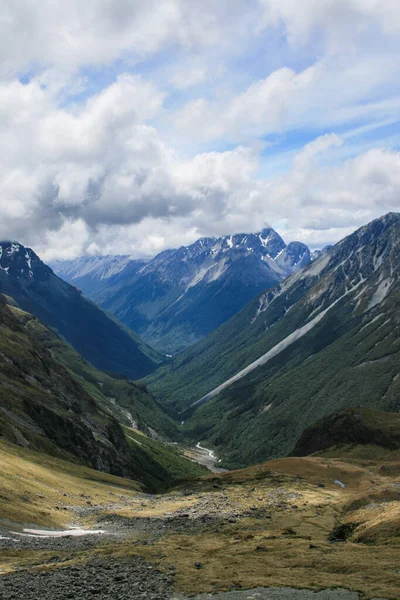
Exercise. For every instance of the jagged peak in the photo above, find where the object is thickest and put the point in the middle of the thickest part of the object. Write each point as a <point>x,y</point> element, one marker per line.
<point>384,221</point>
<point>19,261</point>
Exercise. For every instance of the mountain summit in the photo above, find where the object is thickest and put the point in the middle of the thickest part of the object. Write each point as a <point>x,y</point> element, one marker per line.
<point>181,295</point>
<point>99,337</point>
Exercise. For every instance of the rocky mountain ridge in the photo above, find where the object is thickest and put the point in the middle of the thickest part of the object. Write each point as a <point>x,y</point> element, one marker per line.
<point>99,337</point>
<point>181,295</point>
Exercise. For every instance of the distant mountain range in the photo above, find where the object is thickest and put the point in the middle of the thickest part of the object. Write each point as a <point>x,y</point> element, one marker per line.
<point>325,339</point>
<point>181,295</point>
<point>99,337</point>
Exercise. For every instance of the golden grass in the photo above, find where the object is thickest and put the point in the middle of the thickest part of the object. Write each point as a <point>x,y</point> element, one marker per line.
<point>286,544</point>
<point>259,559</point>
<point>291,548</point>
<point>36,488</point>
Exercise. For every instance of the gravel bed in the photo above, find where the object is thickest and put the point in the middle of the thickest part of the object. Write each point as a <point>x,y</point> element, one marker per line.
<point>105,579</point>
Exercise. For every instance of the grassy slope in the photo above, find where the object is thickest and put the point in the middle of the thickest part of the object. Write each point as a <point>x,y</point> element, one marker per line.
<point>169,457</point>
<point>354,426</point>
<point>46,409</point>
<point>263,415</point>
<point>130,400</point>
<point>33,485</point>
<point>280,535</point>
<point>290,546</point>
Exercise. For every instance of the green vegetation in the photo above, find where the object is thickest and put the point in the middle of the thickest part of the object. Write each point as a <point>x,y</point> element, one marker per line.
<point>128,401</point>
<point>305,388</point>
<point>169,458</point>
<point>359,426</point>
<point>64,413</point>
<point>350,357</point>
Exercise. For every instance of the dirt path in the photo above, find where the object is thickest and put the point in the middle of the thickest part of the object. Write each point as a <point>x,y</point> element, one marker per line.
<point>277,594</point>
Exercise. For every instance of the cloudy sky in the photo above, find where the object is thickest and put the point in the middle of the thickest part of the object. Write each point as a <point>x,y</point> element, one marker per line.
<point>130,126</point>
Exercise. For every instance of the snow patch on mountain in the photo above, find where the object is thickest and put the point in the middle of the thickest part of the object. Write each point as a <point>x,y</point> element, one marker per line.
<point>380,293</point>
<point>277,349</point>
<point>97,267</point>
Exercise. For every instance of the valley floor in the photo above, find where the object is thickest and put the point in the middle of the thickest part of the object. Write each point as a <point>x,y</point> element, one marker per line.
<point>287,524</point>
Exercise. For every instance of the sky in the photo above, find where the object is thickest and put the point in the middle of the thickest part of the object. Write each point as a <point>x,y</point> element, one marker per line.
<point>129,127</point>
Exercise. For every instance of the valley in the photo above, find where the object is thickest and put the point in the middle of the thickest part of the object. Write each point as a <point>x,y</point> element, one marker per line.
<point>286,523</point>
<point>263,461</point>
<point>200,300</point>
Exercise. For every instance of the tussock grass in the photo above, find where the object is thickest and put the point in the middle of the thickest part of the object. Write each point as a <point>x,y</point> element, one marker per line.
<point>284,542</point>
<point>34,484</point>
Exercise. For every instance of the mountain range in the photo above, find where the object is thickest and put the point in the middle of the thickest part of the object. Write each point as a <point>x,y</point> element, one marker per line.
<point>322,340</point>
<point>325,339</point>
<point>181,295</point>
<point>300,373</point>
<point>98,336</point>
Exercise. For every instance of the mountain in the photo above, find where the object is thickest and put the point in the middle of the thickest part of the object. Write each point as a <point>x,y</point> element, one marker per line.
<point>99,337</point>
<point>325,339</point>
<point>359,426</point>
<point>316,253</point>
<point>88,273</point>
<point>182,295</point>
<point>53,402</point>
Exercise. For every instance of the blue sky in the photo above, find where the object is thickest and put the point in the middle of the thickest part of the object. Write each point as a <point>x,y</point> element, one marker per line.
<point>132,127</point>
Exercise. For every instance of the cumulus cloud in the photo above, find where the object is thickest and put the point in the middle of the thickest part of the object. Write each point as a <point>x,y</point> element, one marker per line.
<point>340,23</point>
<point>317,204</point>
<point>97,32</point>
<point>69,173</point>
<point>133,127</point>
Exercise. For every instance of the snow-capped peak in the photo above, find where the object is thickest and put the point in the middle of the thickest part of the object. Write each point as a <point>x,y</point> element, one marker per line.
<point>19,262</point>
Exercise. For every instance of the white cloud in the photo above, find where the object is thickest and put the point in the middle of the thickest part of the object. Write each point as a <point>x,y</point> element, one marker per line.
<point>324,203</point>
<point>339,22</point>
<point>187,75</point>
<point>313,203</point>
<point>96,32</point>
<point>66,242</point>
<point>142,164</point>
<point>333,92</point>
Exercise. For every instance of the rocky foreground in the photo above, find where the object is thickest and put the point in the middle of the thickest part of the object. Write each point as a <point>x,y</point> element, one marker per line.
<point>312,528</point>
<point>132,579</point>
<point>105,579</point>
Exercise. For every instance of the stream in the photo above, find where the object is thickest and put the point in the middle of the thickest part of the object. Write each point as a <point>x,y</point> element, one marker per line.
<point>207,458</point>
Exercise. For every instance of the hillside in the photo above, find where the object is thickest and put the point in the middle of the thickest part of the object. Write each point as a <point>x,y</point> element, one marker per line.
<point>325,339</point>
<point>46,407</point>
<point>182,295</point>
<point>311,523</point>
<point>358,426</point>
<point>99,337</point>
<point>127,401</point>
